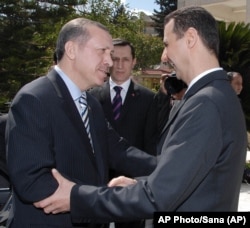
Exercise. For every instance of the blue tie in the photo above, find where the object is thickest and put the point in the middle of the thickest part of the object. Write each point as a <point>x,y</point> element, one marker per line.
<point>117,102</point>
<point>84,114</point>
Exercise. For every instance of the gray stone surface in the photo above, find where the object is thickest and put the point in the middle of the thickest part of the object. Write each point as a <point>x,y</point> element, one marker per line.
<point>244,201</point>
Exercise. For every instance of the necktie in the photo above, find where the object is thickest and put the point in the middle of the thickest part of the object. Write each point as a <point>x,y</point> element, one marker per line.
<point>117,102</point>
<point>84,114</point>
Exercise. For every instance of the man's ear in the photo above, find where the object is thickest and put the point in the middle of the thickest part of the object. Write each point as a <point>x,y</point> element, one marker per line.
<point>191,37</point>
<point>70,49</point>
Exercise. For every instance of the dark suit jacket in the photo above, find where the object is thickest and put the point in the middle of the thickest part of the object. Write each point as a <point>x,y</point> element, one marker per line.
<point>45,130</point>
<point>164,106</point>
<point>200,167</point>
<point>4,180</point>
<point>138,119</point>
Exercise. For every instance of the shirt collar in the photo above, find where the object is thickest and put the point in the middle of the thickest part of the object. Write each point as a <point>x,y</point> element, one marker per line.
<point>75,92</point>
<point>124,85</point>
<point>198,77</point>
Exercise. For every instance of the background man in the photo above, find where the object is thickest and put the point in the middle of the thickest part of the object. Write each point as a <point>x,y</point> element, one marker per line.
<point>137,121</point>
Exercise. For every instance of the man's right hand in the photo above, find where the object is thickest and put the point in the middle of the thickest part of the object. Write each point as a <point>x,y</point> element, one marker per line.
<point>121,181</point>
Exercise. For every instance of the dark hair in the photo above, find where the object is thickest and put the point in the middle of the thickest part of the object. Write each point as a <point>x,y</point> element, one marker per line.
<point>174,85</point>
<point>232,74</point>
<point>54,57</point>
<point>73,30</point>
<point>121,42</point>
<point>199,19</point>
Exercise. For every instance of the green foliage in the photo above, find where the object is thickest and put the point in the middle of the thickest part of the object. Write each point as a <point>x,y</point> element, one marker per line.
<point>235,56</point>
<point>166,6</point>
<point>130,26</point>
<point>234,46</point>
<point>29,30</point>
<point>148,50</point>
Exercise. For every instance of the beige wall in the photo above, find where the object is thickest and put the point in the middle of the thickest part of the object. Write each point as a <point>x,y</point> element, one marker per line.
<point>248,12</point>
<point>226,10</point>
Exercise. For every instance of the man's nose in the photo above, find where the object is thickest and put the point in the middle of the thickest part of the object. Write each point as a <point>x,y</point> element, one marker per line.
<point>108,60</point>
<point>164,56</point>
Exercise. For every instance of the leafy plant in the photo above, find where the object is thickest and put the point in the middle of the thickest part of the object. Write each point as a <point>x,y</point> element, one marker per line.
<point>234,45</point>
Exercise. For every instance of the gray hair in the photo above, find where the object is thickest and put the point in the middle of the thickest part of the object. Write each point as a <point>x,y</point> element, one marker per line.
<point>73,30</point>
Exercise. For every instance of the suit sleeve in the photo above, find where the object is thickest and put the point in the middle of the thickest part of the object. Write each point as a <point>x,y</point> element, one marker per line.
<point>151,128</point>
<point>29,155</point>
<point>128,159</point>
<point>4,179</point>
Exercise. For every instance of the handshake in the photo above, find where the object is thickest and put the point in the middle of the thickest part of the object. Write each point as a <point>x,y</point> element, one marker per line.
<point>59,201</point>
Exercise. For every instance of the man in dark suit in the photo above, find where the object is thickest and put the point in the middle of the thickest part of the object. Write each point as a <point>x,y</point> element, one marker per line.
<point>203,146</point>
<point>45,128</point>
<point>138,116</point>
<point>137,120</point>
<point>164,103</point>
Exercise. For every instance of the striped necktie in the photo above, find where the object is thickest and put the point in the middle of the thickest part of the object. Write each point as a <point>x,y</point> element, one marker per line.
<point>117,102</point>
<point>84,114</point>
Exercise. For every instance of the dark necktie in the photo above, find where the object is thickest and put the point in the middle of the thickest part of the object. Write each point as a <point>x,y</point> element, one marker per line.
<point>84,114</point>
<point>117,102</point>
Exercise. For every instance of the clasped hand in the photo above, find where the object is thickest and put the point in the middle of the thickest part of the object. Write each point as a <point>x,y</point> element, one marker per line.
<point>59,201</point>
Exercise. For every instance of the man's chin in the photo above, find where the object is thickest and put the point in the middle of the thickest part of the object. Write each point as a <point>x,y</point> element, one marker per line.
<point>105,77</point>
<point>101,81</point>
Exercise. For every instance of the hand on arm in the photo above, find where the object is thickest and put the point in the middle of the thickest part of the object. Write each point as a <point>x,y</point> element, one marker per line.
<point>59,202</point>
<point>121,181</point>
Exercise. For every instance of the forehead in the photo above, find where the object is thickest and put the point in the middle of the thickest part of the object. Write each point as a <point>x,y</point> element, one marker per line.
<point>237,78</point>
<point>168,29</point>
<point>100,37</point>
<point>122,51</point>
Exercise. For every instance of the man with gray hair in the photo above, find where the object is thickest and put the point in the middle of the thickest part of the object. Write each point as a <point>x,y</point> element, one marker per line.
<point>55,123</point>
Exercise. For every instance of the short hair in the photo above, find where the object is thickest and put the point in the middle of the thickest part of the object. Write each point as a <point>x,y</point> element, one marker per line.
<point>73,30</point>
<point>199,19</point>
<point>54,57</point>
<point>122,42</point>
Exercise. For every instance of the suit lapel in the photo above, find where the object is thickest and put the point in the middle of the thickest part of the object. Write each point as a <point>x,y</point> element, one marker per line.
<point>71,111</point>
<point>105,99</point>
<point>173,116</point>
<point>216,75</point>
<point>97,149</point>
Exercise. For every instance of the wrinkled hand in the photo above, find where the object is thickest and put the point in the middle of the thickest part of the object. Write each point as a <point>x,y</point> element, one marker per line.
<point>59,201</point>
<point>121,181</point>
